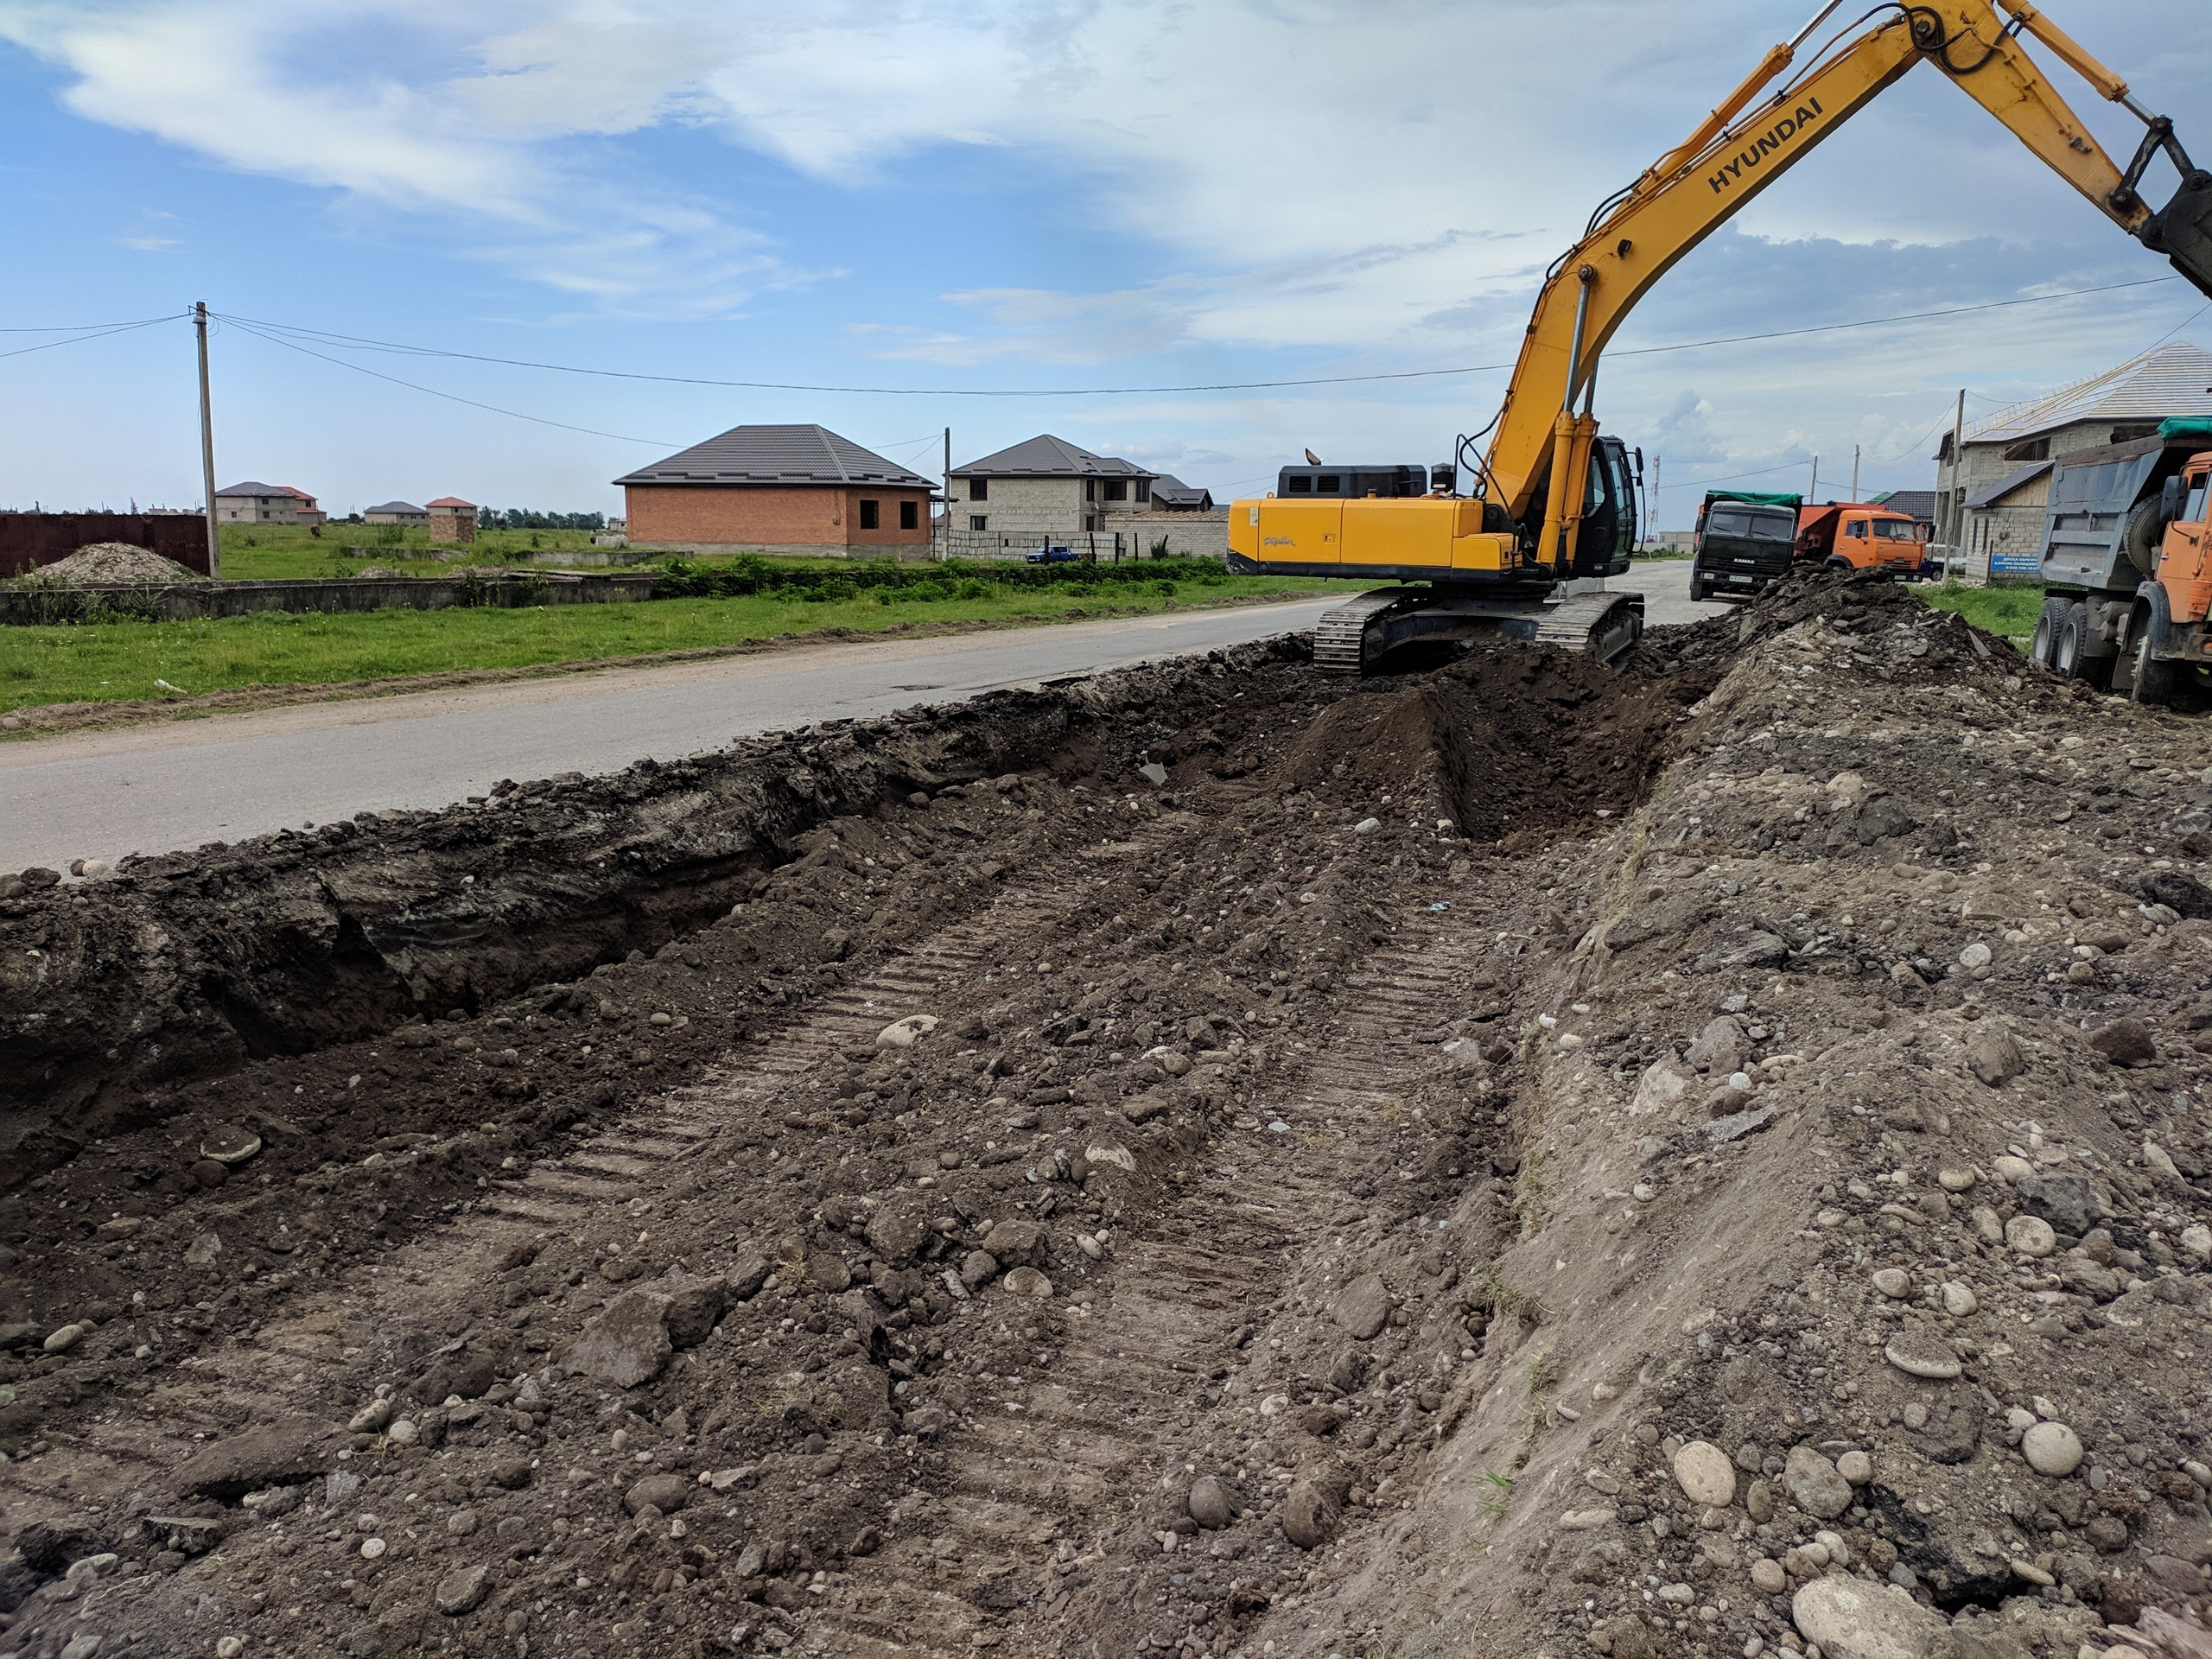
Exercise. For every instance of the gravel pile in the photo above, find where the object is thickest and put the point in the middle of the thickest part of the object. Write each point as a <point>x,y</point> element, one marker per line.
<point>105,561</point>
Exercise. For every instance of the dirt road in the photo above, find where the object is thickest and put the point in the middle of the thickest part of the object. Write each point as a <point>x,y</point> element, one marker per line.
<point>1705,1158</point>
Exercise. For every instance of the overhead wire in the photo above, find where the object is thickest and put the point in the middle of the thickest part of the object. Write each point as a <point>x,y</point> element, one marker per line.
<point>357,342</point>
<point>87,328</point>
<point>102,334</point>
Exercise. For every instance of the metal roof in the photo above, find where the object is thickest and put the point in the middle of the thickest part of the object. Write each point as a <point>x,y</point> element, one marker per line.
<point>394,506</point>
<point>776,454</point>
<point>1176,494</point>
<point>2005,486</point>
<point>1917,504</point>
<point>450,501</point>
<point>2175,379</point>
<point>263,489</point>
<point>1046,456</point>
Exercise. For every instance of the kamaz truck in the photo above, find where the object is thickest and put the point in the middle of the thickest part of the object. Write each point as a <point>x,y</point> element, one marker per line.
<point>2116,597</point>
<point>1744,541</point>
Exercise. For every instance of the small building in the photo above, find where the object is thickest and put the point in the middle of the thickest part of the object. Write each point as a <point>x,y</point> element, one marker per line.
<point>1990,495</point>
<point>1047,486</point>
<point>397,512</point>
<point>266,503</point>
<point>777,489</point>
<point>452,521</point>
<point>1171,494</point>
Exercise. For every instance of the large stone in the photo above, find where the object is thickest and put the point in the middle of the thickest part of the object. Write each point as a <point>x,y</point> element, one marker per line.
<point>667,1493</point>
<point>1017,1244</point>
<point>1917,1353</point>
<point>461,1590</point>
<point>1849,1618</point>
<point>1706,1475</point>
<point>897,1230</point>
<point>1211,1504</point>
<point>1363,1306</point>
<point>1308,1516</point>
<point>1661,1087</point>
<point>2125,1042</point>
<point>2068,1203</point>
<point>2031,1236</point>
<point>1993,1057</point>
<point>695,1306</point>
<point>276,1454</point>
<point>2052,1449</point>
<point>628,1344</point>
<point>1816,1485</point>
<point>1719,1047</point>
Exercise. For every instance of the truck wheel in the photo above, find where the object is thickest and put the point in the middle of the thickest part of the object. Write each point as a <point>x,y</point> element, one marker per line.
<point>1837,564</point>
<point>2044,646</point>
<point>2154,676</point>
<point>2069,654</point>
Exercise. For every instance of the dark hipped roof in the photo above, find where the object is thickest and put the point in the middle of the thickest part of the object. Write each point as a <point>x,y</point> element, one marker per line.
<point>1168,490</point>
<point>258,489</point>
<point>2005,485</point>
<point>1914,503</point>
<point>776,455</point>
<point>1046,456</point>
<point>394,506</point>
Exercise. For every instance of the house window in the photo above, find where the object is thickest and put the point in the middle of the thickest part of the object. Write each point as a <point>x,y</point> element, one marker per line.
<point>977,522</point>
<point>1144,491</point>
<point>868,515</point>
<point>909,515</point>
<point>2033,450</point>
<point>979,489</point>
<point>1117,489</point>
<point>1090,489</point>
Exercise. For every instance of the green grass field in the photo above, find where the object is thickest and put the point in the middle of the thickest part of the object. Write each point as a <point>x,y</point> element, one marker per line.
<point>274,552</point>
<point>114,661</point>
<point>2010,611</point>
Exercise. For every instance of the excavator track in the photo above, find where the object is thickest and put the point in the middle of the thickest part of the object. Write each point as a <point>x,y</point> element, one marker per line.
<point>1355,635</point>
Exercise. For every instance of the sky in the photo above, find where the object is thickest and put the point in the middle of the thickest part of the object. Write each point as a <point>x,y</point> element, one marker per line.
<point>930,201</point>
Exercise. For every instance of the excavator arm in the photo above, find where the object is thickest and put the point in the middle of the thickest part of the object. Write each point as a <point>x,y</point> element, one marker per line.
<point>1543,445</point>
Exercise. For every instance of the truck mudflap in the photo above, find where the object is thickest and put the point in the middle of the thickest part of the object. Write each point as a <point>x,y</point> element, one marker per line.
<point>1351,638</point>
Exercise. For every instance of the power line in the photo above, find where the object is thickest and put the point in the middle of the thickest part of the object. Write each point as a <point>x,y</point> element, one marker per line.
<point>356,342</point>
<point>118,328</point>
<point>89,328</point>
<point>449,397</point>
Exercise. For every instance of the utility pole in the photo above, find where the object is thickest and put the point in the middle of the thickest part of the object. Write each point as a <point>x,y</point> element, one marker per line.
<point>1957,515</point>
<point>1855,472</point>
<point>947,493</point>
<point>208,442</point>
<point>1656,462</point>
<point>1813,495</point>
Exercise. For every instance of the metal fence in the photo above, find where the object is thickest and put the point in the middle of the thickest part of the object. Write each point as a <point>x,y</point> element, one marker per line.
<point>28,540</point>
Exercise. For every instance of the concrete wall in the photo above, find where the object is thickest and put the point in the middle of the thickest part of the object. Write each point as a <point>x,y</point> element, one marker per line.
<point>1197,535</point>
<point>813,518</point>
<point>265,509</point>
<point>1984,464</point>
<point>172,601</point>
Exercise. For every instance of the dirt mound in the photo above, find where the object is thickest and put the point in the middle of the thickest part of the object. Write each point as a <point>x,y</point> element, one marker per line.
<point>108,562</point>
<point>1508,742</point>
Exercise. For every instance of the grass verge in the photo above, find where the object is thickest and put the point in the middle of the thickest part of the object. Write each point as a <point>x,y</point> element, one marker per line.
<point>128,660</point>
<point>2009,610</point>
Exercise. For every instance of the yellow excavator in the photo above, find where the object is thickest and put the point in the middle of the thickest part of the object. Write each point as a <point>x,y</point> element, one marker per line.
<point>1552,508</point>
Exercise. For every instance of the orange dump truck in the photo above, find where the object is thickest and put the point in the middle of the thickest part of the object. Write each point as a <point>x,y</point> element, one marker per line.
<point>1854,535</point>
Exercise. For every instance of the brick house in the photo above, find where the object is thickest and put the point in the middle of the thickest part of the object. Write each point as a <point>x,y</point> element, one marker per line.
<point>266,503</point>
<point>1990,498</point>
<point>1047,486</point>
<point>453,521</point>
<point>778,489</point>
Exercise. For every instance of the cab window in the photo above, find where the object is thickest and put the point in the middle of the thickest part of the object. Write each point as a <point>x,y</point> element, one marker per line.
<point>1896,529</point>
<point>2193,513</point>
<point>1856,527</point>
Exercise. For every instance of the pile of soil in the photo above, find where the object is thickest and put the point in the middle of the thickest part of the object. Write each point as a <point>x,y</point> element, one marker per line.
<point>109,562</point>
<point>926,1186</point>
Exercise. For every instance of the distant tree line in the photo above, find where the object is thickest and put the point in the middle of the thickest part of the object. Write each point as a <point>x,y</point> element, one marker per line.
<point>529,518</point>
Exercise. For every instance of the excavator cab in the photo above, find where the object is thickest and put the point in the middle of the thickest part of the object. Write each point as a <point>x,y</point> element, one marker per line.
<point>1607,542</point>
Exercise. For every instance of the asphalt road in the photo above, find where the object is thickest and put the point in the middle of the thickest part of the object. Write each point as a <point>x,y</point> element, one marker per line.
<point>173,784</point>
<point>156,787</point>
